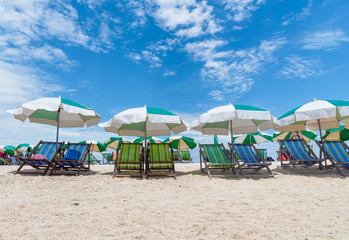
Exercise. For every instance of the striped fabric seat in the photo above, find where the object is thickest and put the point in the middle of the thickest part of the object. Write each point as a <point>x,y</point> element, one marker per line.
<point>297,151</point>
<point>175,156</point>
<point>246,153</point>
<point>80,147</point>
<point>129,157</point>
<point>160,156</point>
<point>262,153</point>
<point>337,151</point>
<point>215,154</point>
<point>48,150</point>
<point>185,155</point>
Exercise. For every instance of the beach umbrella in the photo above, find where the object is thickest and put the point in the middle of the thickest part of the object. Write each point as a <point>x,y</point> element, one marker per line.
<point>149,140</point>
<point>306,135</point>
<point>253,138</point>
<point>234,119</point>
<point>341,133</point>
<point>181,142</point>
<point>24,147</point>
<point>113,142</point>
<point>59,112</point>
<point>146,122</point>
<point>10,150</point>
<point>96,146</point>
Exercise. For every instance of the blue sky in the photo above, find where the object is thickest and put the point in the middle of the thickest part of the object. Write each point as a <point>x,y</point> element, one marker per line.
<point>186,56</point>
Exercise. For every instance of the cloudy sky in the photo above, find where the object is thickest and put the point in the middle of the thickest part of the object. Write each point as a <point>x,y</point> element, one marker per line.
<point>186,56</point>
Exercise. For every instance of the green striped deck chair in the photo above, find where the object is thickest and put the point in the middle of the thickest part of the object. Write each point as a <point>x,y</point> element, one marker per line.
<point>262,153</point>
<point>72,160</point>
<point>184,156</point>
<point>213,157</point>
<point>41,158</point>
<point>337,152</point>
<point>175,157</point>
<point>129,158</point>
<point>247,157</point>
<point>160,158</point>
<point>299,153</point>
<point>107,158</point>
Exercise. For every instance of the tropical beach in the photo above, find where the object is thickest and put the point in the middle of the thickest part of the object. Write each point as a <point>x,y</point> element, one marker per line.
<point>172,119</point>
<point>95,206</point>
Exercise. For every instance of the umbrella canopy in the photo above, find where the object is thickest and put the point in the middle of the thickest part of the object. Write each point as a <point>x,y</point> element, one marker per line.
<point>145,122</point>
<point>316,115</point>
<point>10,150</point>
<point>341,133</point>
<point>149,140</point>
<point>253,138</point>
<point>181,142</point>
<point>96,146</point>
<point>60,112</point>
<point>113,142</point>
<point>306,135</point>
<point>236,119</point>
<point>24,147</point>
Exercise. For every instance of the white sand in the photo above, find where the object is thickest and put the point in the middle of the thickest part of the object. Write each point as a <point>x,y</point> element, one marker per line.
<point>95,206</point>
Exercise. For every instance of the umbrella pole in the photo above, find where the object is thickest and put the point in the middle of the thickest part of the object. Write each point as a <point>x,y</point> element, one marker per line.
<point>58,118</point>
<point>232,140</point>
<point>145,144</point>
<point>322,140</point>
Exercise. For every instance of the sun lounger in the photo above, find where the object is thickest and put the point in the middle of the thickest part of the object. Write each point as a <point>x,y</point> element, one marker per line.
<point>214,157</point>
<point>184,156</point>
<point>299,153</point>
<point>247,157</point>
<point>160,158</point>
<point>337,152</point>
<point>107,158</point>
<point>71,162</point>
<point>129,158</point>
<point>41,158</point>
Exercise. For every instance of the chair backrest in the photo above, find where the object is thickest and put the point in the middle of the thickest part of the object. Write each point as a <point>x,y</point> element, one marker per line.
<point>246,153</point>
<point>185,155</point>
<point>175,156</point>
<point>129,152</point>
<point>262,153</point>
<point>107,156</point>
<point>337,151</point>
<point>160,152</point>
<point>214,153</point>
<point>80,147</point>
<point>49,149</point>
<point>296,149</point>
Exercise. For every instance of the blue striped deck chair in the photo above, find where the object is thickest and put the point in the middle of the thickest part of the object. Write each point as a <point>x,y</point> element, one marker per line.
<point>247,157</point>
<point>42,157</point>
<point>299,153</point>
<point>72,160</point>
<point>129,158</point>
<point>160,157</point>
<point>214,157</point>
<point>184,156</point>
<point>337,152</point>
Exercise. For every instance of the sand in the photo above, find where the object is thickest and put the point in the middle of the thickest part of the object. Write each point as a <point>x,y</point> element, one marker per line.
<point>95,206</point>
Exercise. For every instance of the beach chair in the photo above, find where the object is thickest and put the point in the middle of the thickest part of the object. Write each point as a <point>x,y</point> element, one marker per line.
<point>247,157</point>
<point>71,162</point>
<point>129,158</point>
<point>41,158</point>
<point>337,152</point>
<point>175,157</point>
<point>184,156</point>
<point>262,153</point>
<point>299,153</point>
<point>160,158</point>
<point>214,157</point>
<point>107,158</point>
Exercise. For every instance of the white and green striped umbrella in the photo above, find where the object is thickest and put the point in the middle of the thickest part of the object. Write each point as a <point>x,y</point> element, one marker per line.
<point>95,145</point>
<point>181,142</point>
<point>10,150</point>
<point>24,147</point>
<point>60,112</point>
<point>149,140</point>
<point>145,122</point>
<point>306,135</point>
<point>316,115</point>
<point>236,119</point>
<point>253,138</point>
<point>113,142</point>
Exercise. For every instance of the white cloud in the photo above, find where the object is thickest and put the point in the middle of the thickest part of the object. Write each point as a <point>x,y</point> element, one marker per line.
<point>231,71</point>
<point>325,40</point>
<point>242,9</point>
<point>186,18</point>
<point>169,73</point>
<point>295,17</point>
<point>300,68</point>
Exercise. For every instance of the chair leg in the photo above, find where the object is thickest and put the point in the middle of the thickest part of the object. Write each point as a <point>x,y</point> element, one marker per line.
<point>20,167</point>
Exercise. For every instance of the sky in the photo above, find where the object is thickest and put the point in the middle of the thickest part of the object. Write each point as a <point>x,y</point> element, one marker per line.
<point>186,56</point>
